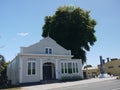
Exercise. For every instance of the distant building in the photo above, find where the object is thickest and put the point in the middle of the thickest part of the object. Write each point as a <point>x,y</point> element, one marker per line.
<point>44,60</point>
<point>91,72</point>
<point>113,67</point>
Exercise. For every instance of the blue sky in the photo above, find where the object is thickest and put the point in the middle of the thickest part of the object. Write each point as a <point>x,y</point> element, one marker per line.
<point>21,24</point>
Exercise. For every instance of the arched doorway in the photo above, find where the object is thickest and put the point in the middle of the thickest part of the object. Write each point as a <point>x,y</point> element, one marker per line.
<point>48,71</point>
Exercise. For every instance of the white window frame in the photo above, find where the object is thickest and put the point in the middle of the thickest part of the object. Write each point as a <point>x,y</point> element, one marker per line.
<point>76,65</point>
<point>62,68</point>
<point>31,74</point>
<point>49,50</point>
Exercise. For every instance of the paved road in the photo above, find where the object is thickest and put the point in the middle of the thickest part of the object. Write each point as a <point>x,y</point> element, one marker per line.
<point>105,85</point>
<point>90,84</point>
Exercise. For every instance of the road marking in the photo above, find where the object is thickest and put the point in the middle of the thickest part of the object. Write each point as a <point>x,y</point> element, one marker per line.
<point>116,89</point>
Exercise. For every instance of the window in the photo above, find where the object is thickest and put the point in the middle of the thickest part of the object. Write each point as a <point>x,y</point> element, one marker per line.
<point>31,68</point>
<point>69,67</point>
<point>62,69</point>
<point>48,50</point>
<point>76,68</point>
<point>65,67</point>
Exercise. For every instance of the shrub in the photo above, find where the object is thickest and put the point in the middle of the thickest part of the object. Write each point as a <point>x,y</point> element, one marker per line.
<point>71,78</point>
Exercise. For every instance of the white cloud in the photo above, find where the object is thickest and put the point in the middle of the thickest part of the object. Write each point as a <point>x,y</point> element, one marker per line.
<point>23,34</point>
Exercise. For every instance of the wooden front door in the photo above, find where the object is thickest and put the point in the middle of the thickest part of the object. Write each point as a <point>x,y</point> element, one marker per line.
<point>48,71</point>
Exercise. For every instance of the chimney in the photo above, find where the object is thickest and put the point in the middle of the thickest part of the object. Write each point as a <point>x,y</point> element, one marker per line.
<point>108,60</point>
<point>103,61</point>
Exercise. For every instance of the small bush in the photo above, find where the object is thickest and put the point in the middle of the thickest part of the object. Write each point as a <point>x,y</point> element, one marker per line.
<point>71,78</point>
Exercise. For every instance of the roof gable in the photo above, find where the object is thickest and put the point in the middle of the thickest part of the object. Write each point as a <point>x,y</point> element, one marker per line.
<point>39,47</point>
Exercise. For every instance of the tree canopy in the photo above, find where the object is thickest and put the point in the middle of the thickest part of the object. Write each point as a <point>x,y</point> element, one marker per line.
<point>2,62</point>
<point>3,71</point>
<point>72,28</point>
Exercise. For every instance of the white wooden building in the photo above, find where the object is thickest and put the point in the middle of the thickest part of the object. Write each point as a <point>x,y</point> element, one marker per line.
<point>44,60</point>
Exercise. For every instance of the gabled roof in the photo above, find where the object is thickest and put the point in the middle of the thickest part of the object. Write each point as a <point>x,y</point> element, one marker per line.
<point>39,47</point>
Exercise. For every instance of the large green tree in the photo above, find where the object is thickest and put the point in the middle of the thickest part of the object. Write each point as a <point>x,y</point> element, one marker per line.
<point>3,71</point>
<point>2,62</point>
<point>72,28</point>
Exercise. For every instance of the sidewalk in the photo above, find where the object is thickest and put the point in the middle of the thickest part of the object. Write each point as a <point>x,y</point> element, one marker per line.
<point>65,84</point>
